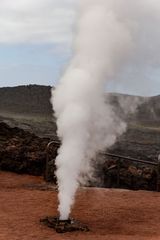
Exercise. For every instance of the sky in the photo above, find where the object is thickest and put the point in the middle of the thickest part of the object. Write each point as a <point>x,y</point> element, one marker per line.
<point>36,38</point>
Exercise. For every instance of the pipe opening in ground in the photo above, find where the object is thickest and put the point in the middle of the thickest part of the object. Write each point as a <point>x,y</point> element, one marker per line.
<point>63,226</point>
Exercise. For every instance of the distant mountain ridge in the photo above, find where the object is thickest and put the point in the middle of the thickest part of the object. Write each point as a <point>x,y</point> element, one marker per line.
<point>35,100</point>
<point>141,109</point>
<point>26,100</point>
<point>29,107</point>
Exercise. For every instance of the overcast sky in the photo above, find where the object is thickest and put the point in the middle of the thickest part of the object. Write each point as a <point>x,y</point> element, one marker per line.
<point>35,40</point>
<point>36,45</point>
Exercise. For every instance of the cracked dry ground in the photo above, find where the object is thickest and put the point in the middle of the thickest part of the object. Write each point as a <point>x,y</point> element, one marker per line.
<point>110,214</point>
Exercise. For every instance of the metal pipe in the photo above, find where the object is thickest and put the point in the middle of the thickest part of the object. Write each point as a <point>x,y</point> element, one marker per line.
<point>158,174</point>
<point>131,159</point>
<point>57,143</point>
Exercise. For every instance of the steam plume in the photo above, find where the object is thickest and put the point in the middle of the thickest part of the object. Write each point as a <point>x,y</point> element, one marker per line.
<point>104,42</point>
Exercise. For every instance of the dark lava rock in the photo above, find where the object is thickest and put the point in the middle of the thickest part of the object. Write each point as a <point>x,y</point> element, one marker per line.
<point>21,151</point>
<point>128,175</point>
<point>63,226</point>
<point>24,152</point>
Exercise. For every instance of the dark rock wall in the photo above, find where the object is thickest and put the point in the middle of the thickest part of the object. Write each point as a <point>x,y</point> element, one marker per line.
<point>21,151</point>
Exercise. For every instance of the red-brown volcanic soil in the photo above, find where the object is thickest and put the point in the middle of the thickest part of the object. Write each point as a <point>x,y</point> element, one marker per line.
<point>110,214</point>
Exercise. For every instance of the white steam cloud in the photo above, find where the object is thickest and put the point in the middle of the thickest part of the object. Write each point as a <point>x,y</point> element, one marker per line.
<point>106,39</point>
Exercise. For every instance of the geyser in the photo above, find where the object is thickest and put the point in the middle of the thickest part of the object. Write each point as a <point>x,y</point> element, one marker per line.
<point>106,39</point>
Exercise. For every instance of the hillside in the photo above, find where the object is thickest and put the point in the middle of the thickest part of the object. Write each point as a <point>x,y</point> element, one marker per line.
<point>31,100</point>
<point>142,138</point>
<point>29,107</point>
<point>34,101</point>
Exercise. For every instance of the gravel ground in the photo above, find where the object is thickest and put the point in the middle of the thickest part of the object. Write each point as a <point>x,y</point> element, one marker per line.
<point>110,214</point>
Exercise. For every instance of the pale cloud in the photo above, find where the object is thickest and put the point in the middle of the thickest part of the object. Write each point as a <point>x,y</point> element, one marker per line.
<point>37,21</point>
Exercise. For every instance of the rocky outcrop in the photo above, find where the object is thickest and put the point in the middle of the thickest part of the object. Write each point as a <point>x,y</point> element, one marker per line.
<point>24,152</point>
<point>21,151</point>
<point>128,175</point>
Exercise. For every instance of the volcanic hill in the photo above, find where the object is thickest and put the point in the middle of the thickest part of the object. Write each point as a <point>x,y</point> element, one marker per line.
<point>29,108</point>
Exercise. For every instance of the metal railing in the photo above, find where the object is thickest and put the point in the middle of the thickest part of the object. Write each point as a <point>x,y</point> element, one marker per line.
<point>57,144</point>
<point>119,157</point>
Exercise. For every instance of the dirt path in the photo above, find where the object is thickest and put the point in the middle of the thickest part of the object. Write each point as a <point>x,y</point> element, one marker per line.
<point>110,214</point>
